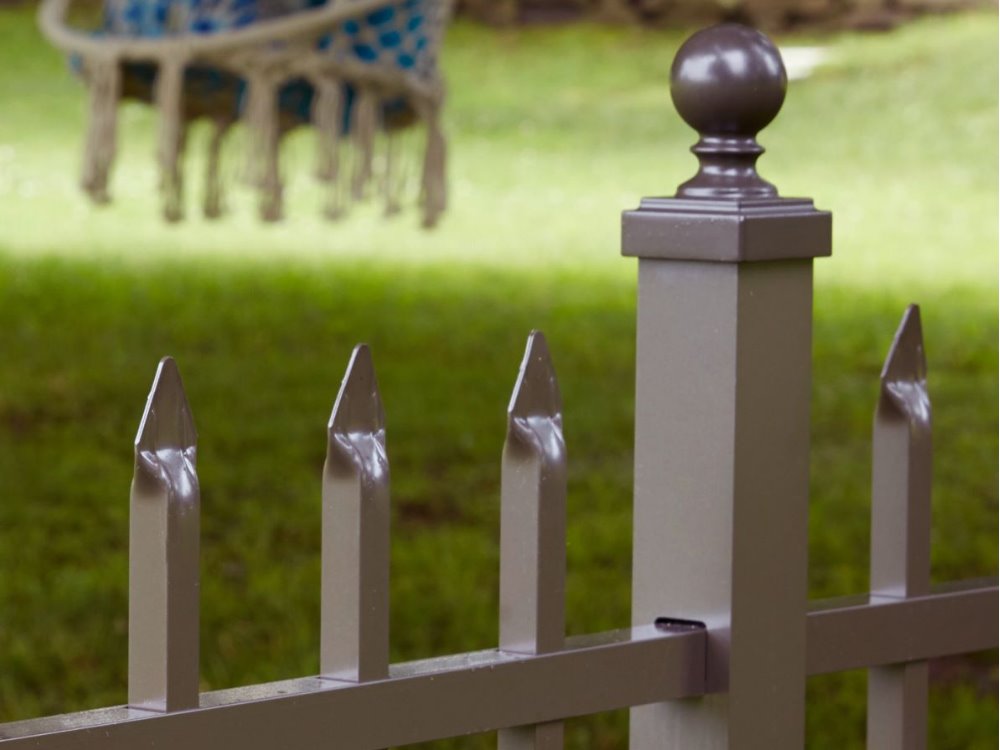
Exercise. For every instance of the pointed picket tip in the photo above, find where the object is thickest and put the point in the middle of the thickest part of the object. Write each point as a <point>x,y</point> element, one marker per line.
<point>906,361</point>
<point>358,407</point>
<point>167,422</point>
<point>904,374</point>
<point>536,392</point>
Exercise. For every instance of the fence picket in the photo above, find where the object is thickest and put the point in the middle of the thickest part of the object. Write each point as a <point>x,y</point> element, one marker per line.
<point>901,529</point>
<point>354,629</point>
<point>533,528</point>
<point>164,532</point>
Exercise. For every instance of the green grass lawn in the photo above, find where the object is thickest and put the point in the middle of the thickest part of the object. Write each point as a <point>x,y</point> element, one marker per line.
<point>554,132</point>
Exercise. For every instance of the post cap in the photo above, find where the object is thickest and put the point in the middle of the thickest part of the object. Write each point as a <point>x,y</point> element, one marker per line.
<point>728,82</point>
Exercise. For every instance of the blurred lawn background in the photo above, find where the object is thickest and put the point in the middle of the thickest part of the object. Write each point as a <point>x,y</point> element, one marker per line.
<point>554,131</point>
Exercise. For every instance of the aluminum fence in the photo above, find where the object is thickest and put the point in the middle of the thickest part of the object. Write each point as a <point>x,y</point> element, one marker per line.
<point>722,636</point>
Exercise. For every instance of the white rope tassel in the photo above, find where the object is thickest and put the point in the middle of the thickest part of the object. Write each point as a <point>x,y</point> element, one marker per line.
<point>328,119</point>
<point>170,101</point>
<point>265,140</point>
<point>365,124</point>
<point>258,118</point>
<point>213,207</point>
<point>394,179</point>
<point>433,190</point>
<point>327,114</point>
<point>271,188</point>
<point>104,79</point>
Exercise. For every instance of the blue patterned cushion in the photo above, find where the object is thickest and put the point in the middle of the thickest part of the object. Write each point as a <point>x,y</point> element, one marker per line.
<point>155,18</point>
<point>396,33</point>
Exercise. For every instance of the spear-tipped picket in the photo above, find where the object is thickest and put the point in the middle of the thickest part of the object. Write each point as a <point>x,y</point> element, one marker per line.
<point>354,629</point>
<point>533,528</point>
<point>901,528</point>
<point>163,552</point>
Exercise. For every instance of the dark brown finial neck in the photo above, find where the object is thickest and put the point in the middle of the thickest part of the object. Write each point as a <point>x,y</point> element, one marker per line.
<point>727,170</point>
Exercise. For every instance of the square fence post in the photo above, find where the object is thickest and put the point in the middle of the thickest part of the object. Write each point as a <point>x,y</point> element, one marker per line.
<point>723,377</point>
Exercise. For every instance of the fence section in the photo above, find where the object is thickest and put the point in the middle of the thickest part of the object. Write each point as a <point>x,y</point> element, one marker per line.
<point>720,614</point>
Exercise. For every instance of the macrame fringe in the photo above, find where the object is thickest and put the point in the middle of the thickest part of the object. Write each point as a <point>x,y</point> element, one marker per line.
<point>256,114</point>
<point>433,189</point>
<point>169,100</point>
<point>394,176</point>
<point>327,117</point>
<point>265,141</point>
<point>213,207</point>
<point>338,191</point>
<point>346,180</point>
<point>365,125</point>
<point>104,80</point>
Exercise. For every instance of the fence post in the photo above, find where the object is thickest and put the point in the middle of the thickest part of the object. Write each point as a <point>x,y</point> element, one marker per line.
<point>901,529</point>
<point>164,530</point>
<point>723,377</point>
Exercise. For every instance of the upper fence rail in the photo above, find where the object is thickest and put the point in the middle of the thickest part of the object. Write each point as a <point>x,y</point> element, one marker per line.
<point>720,611</point>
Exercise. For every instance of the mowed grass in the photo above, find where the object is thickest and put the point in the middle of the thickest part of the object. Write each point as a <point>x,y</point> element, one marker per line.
<point>554,131</point>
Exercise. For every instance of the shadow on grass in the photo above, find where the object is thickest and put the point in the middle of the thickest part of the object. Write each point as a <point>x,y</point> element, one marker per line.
<point>262,350</point>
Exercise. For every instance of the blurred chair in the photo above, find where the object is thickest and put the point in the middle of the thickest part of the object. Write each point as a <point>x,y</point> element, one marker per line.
<point>357,71</point>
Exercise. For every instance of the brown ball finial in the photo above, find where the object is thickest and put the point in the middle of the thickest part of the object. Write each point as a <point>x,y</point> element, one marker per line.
<point>728,82</point>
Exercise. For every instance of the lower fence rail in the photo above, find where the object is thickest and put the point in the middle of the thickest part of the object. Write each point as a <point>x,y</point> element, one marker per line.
<point>422,700</point>
<point>486,690</point>
<point>854,633</point>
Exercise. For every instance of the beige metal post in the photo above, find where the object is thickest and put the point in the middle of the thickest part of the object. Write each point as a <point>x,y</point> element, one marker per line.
<point>722,408</point>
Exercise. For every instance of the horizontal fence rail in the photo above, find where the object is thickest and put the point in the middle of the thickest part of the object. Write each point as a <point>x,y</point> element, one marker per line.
<point>486,690</point>
<point>855,632</point>
<point>423,700</point>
